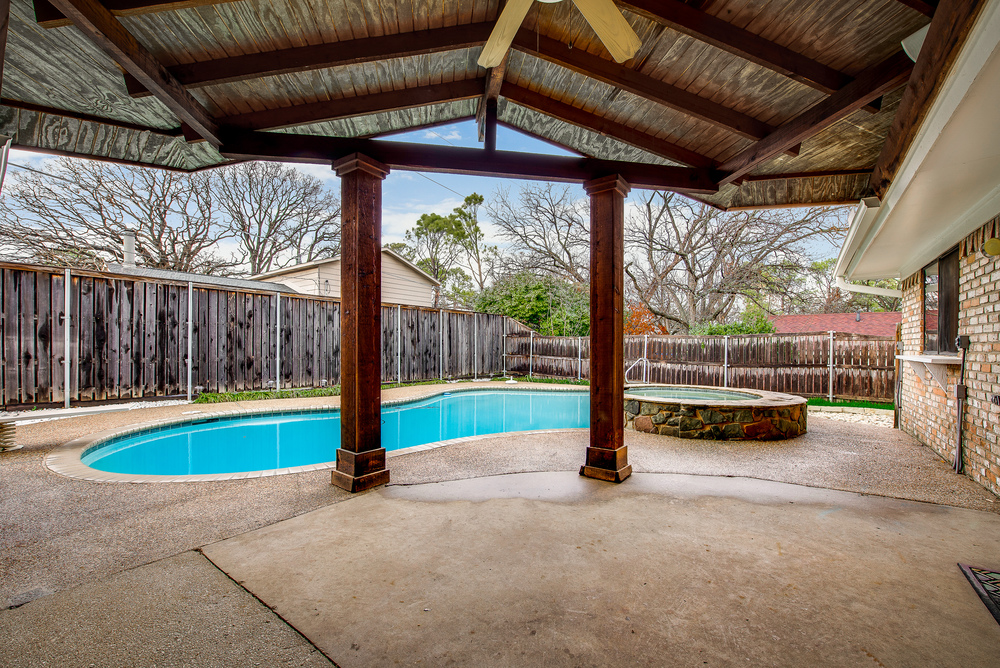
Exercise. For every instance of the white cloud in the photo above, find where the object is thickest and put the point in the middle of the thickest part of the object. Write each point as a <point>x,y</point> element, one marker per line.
<point>321,172</point>
<point>449,135</point>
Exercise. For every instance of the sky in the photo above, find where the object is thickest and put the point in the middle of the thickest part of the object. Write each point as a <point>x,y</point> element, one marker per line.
<point>408,195</point>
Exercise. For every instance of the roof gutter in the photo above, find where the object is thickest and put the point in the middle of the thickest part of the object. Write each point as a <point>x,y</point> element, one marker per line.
<point>859,237</point>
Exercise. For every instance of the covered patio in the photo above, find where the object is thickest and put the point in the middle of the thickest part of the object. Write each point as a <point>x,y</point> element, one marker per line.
<point>836,548</point>
<point>777,104</point>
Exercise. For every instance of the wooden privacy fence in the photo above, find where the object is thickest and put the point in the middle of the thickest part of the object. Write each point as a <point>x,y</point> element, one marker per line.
<point>132,337</point>
<point>860,367</point>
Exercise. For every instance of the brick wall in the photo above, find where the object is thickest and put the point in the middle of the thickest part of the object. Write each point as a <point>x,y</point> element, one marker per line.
<point>927,411</point>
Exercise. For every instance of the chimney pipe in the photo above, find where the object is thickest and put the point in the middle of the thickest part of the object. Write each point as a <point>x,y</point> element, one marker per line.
<point>128,241</point>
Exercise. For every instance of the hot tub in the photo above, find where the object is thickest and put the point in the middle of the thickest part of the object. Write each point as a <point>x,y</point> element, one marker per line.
<point>714,413</point>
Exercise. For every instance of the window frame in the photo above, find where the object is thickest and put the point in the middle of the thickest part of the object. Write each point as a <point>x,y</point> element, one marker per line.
<point>948,275</point>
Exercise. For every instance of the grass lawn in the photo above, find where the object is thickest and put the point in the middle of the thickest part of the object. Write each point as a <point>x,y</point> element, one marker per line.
<point>820,401</point>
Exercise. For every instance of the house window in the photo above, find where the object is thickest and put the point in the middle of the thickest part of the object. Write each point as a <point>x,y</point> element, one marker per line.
<point>941,304</point>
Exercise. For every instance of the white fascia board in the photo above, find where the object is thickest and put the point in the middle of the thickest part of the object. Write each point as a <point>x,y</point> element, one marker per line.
<point>914,253</point>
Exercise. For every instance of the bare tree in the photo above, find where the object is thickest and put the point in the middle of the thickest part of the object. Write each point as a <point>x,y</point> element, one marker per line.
<point>482,259</point>
<point>548,231</point>
<point>279,215</point>
<point>691,264</point>
<point>820,293</point>
<point>75,213</point>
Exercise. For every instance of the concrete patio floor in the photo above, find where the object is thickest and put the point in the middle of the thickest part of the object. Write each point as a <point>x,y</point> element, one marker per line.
<point>501,555</point>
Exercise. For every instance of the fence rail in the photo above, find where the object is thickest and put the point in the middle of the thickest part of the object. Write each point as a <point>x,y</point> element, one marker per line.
<point>860,367</point>
<point>129,338</point>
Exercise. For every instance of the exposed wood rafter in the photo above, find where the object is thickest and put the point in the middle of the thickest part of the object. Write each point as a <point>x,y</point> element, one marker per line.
<point>97,23</point>
<point>448,159</point>
<point>595,123</point>
<point>944,40</point>
<point>925,7</point>
<point>743,43</point>
<point>642,85</point>
<point>319,56</point>
<point>328,110</point>
<point>48,15</point>
<point>869,84</point>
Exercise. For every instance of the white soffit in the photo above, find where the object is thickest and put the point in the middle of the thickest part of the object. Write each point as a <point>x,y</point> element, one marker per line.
<point>949,183</point>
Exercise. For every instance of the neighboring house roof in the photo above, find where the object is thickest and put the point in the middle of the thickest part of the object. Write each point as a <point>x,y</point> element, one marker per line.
<point>872,324</point>
<point>202,279</point>
<point>315,263</point>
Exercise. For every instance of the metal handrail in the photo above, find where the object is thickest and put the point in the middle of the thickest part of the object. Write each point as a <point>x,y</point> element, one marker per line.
<point>645,368</point>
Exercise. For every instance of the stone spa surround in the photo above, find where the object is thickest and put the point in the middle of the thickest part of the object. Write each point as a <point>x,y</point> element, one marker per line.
<point>775,416</point>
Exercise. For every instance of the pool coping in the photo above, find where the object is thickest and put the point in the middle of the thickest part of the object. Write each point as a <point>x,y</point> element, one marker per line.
<point>66,459</point>
<point>764,398</point>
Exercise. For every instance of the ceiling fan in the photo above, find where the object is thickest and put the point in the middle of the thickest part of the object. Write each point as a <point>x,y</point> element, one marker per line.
<point>602,15</point>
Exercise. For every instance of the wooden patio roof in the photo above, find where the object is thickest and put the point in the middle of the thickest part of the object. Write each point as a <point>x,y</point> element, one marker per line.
<point>739,103</point>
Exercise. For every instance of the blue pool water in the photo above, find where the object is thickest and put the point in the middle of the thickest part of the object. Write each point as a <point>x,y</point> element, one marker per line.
<point>233,445</point>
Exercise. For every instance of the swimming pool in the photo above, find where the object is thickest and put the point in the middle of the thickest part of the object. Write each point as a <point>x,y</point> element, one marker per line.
<point>289,440</point>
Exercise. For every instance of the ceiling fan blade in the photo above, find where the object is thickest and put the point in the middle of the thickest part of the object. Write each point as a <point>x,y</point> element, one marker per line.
<point>503,32</point>
<point>609,24</point>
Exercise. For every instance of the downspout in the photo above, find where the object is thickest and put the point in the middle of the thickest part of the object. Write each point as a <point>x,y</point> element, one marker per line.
<point>962,342</point>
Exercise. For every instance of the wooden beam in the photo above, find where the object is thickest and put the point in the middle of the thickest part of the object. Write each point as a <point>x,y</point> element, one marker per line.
<point>949,28</point>
<point>49,16</point>
<point>455,160</point>
<point>925,7</point>
<point>743,43</point>
<point>491,126</point>
<point>105,31</point>
<point>607,454</point>
<point>321,56</point>
<point>869,84</point>
<point>328,110</point>
<point>361,457</point>
<point>593,122</point>
<point>642,85</point>
<point>494,82</point>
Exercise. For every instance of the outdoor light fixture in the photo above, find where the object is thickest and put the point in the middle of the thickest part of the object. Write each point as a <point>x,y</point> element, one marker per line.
<point>992,247</point>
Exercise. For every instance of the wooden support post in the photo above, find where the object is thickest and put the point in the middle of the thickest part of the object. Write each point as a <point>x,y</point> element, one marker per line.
<point>607,455</point>
<point>361,457</point>
<point>491,125</point>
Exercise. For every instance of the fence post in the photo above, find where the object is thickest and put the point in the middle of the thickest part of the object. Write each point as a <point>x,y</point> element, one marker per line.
<point>399,344</point>
<point>645,358</point>
<point>277,341</point>
<point>190,332</point>
<point>830,388</point>
<point>68,354</point>
<point>441,343</point>
<point>531,351</point>
<point>579,358</point>
<point>725,364</point>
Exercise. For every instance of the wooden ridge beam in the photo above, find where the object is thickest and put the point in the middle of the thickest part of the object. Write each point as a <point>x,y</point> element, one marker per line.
<point>870,84</point>
<point>104,30</point>
<point>947,34</point>
<point>47,15</point>
<point>737,41</point>
<point>455,160</point>
<point>321,56</point>
<point>329,110</point>
<point>642,85</point>
<point>593,122</point>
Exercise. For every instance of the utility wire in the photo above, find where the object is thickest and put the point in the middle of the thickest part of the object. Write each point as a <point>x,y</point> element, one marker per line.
<point>440,184</point>
<point>38,171</point>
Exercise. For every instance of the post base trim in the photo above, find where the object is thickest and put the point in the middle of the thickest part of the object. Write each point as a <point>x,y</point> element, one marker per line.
<point>606,474</point>
<point>359,483</point>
